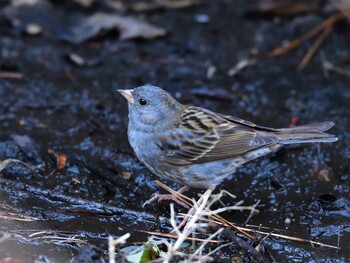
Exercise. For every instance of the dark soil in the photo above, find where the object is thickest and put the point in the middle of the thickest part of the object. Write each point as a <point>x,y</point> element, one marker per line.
<point>74,109</point>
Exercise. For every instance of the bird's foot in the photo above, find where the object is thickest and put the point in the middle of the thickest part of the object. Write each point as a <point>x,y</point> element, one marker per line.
<point>163,197</point>
<point>171,197</point>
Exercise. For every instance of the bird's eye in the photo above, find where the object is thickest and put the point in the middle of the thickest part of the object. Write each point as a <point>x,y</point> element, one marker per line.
<point>143,102</point>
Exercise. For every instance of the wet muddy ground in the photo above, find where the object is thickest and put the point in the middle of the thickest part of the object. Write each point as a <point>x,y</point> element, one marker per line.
<point>61,100</point>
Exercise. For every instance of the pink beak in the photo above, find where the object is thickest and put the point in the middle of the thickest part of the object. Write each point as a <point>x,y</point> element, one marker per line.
<point>127,94</point>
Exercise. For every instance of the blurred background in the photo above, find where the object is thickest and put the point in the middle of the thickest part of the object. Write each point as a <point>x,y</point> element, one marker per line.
<point>275,63</point>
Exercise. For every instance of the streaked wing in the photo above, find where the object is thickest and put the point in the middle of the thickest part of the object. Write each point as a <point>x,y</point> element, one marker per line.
<point>204,136</point>
<point>237,139</point>
<point>183,146</point>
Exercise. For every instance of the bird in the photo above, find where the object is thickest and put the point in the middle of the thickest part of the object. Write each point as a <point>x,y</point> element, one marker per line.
<point>199,148</point>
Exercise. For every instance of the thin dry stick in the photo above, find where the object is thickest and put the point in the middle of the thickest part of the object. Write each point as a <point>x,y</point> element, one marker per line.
<point>40,230</point>
<point>219,218</point>
<point>328,66</point>
<point>329,22</point>
<point>11,75</point>
<point>178,195</point>
<point>205,242</point>
<point>338,243</point>
<point>252,212</point>
<point>313,32</point>
<point>315,47</point>
<point>168,235</point>
<point>112,243</point>
<point>282,236</point>
<point>224,222</point>
<point>290,238</point>
<point>184,234</point>
<point>5,163</point>
<point>17,217</point>
<point>229,224</point>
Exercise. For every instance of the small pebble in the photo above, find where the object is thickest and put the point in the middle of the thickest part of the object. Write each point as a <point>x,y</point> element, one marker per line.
<point>33,29</point>
<point>126,175</point>
<point>287,221</point>
<point>202,18</point>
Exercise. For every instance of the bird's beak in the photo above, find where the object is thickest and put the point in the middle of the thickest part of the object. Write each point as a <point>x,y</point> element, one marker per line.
<point>127,94</point>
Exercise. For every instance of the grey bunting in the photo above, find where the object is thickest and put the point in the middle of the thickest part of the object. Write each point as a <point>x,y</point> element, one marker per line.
<point>198,148</point>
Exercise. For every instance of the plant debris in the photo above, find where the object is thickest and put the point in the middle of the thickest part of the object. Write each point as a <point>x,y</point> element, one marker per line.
<point>26,144</point>
<point>283,7</point>
<point>325,26</point>
<point>101,23</point>
<point>61,160</point>
<point>5,163</point>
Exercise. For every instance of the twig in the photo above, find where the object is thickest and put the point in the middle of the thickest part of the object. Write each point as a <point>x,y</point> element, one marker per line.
<point>288,237</point>
<point>242,64</point>
<point>17,217</point>
<point>252,212</point>
<point>185,199</point>
<point>245,229</point>
<point>291,238</point>
<point>112,243</point>
<point>328,23</point>
<point>328,66</point>
<point>314,47</point>
<point>40,230</point>
<point>338,243</point>
<point>168,235</point>
<point>313,32</point>
<point>11,75</point>
<point>178,195</point>
<point>244,245</point>
<point>231,225</point>
<point>43,236</point>
<point>5,163</point>
<point>201,247</point>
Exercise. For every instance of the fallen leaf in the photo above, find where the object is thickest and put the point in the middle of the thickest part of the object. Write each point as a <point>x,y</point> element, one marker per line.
<point>129,27</point>
<point>324,175</point>
<point>18,3</point>
<point>25,143</point>
<point>293,121</point>
<point>5,163</point>
<point>61,160</point>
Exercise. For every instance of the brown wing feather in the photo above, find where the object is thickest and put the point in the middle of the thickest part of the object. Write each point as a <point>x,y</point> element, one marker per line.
<point>236,139</point>
<point>204,136</point>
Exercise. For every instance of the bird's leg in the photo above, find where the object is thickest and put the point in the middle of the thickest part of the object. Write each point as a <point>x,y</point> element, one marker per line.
<point>193,210</point>
<point>162,197</point>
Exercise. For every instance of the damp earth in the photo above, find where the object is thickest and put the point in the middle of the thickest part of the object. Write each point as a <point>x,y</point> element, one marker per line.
<point>61,115</point>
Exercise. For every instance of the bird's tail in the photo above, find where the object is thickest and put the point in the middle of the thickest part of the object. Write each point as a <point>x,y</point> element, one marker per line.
<point>306,133</point>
